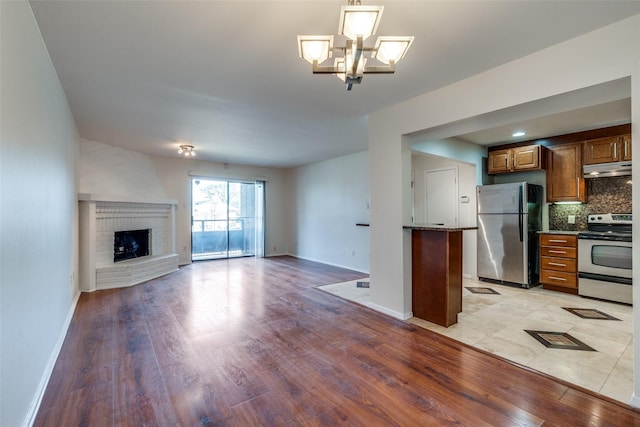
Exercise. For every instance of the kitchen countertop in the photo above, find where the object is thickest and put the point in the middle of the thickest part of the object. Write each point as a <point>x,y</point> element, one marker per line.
<point>571,233</point>
<point>435,227</point>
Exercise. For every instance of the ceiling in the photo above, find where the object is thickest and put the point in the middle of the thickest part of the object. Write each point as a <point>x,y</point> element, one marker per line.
<point>225,75</point>
<point>602,105</point>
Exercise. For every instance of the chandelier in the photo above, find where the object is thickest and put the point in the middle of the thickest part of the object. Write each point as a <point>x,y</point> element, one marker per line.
<point>187,150</point>
<point>357,23</point>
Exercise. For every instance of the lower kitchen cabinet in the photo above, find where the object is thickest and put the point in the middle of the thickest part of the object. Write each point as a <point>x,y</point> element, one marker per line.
<point>436,274</point>
<point>558,262</point>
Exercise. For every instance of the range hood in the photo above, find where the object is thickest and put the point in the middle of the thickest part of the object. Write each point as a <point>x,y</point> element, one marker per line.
<point>604,170</point>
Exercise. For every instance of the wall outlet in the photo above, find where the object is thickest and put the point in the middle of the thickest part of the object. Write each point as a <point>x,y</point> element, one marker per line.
<point>571,219</point>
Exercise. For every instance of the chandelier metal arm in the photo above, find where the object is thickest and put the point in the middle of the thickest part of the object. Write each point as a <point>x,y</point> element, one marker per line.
<point>381,69</point>
<point>357,54</point>
<point>330,69</point>
<point>321,69</point>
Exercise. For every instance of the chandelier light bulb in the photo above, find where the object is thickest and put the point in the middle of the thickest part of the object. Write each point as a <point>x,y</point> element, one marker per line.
<point>357,20</point>
<point>392,48</point>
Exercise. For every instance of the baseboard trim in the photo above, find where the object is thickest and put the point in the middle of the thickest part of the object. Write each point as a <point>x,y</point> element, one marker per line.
<point>46,375</point>
<point>389,312</point>
<point>346,267</point>
<point>278,254</point>
<point>635,400</point>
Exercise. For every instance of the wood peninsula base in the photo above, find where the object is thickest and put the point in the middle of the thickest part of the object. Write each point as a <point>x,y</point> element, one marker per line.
<point>437,273</point>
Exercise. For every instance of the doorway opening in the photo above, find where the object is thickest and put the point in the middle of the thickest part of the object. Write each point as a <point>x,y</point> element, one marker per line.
<point>227,219</point>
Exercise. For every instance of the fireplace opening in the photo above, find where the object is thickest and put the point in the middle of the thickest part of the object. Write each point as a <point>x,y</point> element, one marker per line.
<point>131,244</point>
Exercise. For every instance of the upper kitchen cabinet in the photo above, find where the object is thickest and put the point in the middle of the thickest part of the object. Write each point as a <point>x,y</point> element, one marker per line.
<point>606,150</point>
<point>500,161</point>
<point>626,147</point>
<point>565,179</point>
<point>530,157</point>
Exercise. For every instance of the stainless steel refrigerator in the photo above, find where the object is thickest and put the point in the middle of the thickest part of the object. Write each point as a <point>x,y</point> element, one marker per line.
<point>509,218</point>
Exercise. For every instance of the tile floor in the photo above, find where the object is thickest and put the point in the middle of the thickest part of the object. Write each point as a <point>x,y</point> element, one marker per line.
<point>496,323</point>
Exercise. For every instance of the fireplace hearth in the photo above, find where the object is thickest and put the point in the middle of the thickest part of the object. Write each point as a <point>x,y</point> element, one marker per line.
<point>125,242</point>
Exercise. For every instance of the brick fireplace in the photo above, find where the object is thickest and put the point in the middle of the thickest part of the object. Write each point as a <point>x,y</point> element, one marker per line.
<point>101,218</point>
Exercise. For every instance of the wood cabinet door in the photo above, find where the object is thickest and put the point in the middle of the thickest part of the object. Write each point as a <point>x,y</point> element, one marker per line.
<point>565,181</point>
<point>559,240</point>
<point>601,150</point>
<point>559,251</point>
<point>525,158</point>
<point>559,278</point>
<point>499,161</point>
<point>566,265</point>
<point>625,148</point>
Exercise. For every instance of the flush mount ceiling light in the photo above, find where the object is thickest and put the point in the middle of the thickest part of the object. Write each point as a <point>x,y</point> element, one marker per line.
<point>357,23</point>
<point>187,150</point>
<point>518,133</point>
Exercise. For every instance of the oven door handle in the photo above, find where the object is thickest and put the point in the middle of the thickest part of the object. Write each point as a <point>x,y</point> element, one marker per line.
<point>605,278</point>
<point>608,238</point>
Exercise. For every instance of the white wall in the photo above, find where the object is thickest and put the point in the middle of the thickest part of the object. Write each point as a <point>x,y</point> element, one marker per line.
<point>608,54</point>
<point>420,163</point>
<point>635,125</point>
<point>467,212</point>
<point>455,149</point>
<point>38,218</point>
<point>113,171</point>
<point>327,200</point>
<point>175,177</point>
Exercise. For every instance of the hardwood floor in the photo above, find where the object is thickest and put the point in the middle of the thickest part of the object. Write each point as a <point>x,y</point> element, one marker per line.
<point>249,342</point>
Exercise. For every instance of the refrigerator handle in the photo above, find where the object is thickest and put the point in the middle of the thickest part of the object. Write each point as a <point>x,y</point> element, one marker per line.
<point>520,213</point>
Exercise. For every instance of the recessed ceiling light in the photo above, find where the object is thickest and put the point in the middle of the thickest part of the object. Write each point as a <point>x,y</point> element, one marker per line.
<point>518,133</point>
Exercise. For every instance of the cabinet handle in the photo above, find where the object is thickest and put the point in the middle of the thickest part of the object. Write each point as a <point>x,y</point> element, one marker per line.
<point>615,151</point>
<point>557,252</point>
<point>557,264</point>
<point>557,278</point>
<point>578,186</point>
<point>626,146</point>
<point>557,241</point>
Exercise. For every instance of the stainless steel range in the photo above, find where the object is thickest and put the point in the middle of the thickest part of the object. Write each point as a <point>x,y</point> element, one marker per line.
<point>605,258</point>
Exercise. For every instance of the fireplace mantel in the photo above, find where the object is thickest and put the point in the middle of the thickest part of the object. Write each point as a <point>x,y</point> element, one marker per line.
<point>100,217</point>
<point>90,197</point>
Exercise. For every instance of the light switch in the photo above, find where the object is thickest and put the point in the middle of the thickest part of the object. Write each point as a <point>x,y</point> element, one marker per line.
<point>571,219</point>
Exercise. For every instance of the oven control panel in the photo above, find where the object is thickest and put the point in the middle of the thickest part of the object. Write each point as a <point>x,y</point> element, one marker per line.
<point>610,219</point>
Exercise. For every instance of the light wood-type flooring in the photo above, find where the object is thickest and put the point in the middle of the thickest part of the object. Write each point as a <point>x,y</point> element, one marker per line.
<point>251,342</point>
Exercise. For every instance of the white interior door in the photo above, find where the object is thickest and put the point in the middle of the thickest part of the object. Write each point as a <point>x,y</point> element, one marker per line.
<point>441,199</point>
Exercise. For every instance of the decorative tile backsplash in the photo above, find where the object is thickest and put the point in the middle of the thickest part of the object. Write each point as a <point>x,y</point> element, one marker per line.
<point>604,195</point>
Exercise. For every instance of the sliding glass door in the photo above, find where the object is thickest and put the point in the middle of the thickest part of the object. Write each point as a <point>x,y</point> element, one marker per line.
<point>227,219</point>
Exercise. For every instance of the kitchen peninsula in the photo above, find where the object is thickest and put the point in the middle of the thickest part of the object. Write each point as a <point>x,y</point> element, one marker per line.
<point>436,272</point>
